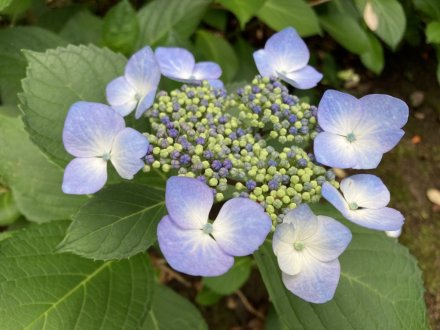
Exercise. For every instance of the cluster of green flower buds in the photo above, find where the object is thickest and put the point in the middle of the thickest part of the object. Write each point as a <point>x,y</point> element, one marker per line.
<point>196,131</point>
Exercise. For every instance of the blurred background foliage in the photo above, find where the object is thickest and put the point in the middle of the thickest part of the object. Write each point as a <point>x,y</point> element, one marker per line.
<point>392,46</point>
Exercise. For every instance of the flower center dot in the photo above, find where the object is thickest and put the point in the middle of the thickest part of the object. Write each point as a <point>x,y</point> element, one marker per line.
<point>353,206</point>
<point>298,246</point>
<point>351,137</point>
<point>106,156</point>
<point>207,228</point>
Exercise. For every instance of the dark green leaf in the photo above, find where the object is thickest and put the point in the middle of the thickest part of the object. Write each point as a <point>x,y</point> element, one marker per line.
<point>83,28</point>
<point>170,311</point>
<point>380,287</point>
<point>207,297</point>
<point>279,14</point>
<point>217,18</point>
<point>55,80</point>
<point>247,69</point>
<point>430,8</point>
<point>242,9</point>
<point>8,209</point>
<point>158,18</point>
<point>213,47</point>
<point>118,222</point>
<point>43,290</point>
<point>121,28</point>
<point>232,280</point>
<point>347,31</point>
<point>34,181</point>
<point>373,58</point>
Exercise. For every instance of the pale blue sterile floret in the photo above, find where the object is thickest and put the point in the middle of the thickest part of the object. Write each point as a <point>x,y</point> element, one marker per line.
<point>307,248</point>
<point>179,64</point>
<point>286,55</point>
<point>136,89</point>
<point>357,132</point>
<point>364,202</point>
<point>193,245</point>
<point>95,134</point>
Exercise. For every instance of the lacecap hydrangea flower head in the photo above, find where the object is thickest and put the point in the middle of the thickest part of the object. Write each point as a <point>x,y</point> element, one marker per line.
<point>259,151</point>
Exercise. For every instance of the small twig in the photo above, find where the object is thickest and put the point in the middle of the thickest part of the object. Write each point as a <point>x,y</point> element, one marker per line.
<point>160,263</point>
<point>251,309</point>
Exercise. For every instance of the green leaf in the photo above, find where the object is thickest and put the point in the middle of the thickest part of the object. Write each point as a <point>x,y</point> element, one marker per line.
<point>207,297</point>
<point>380,287</point>
<point>232,280</point>
<point>12,61</point>
<point>272,321</point>
<point>121,28</point>
<point>347,31</point>
<point>374,58</point>
<point>279,14</point>
<point>8,209</point>
<point>158,18</point>
<point>244,10</point>
<point>83,28</point>
<point>433,33</point>
<point>4,4</point>
<point>34,181</point>
<point>118,222</point>
<point>43,290</point>
<point>390,16</point>
<point>170,311</point>
<point>216,18</point>
<point>55,80</point>
<point>430,8</point>
<point>247,69</point>
<point>213,47</point>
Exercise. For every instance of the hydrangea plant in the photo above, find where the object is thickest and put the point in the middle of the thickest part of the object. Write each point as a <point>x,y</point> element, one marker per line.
<point>258,149</point>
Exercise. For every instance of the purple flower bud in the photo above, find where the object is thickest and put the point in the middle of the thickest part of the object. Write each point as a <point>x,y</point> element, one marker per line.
<point>302,162</point>
<point>216,165</point>
<point>223,172</point>
<point>185,159</point>
<point>271,162</point>
<point>149,159</point>
<point>227,164</point>
<point>293,130</point>
<point>251,185</point>
<point>273,184</point>
<point>173,132</point>
<point>304,130</point>
<point>200,140</point>
<point>275,107</point>
<point>208,154</point>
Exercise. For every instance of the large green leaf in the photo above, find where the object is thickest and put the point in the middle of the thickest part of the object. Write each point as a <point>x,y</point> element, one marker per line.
<point>118,222</point>
<point>243,9</point>
<point>170,311</point>
<point>43,290</point>
<point>213,47</point>
<point>55,80</point>
<point>121,28</point>
<point>12,62</point>
<point>159,18</point>
<point>34,181</point>
<point>233,279</point>
<point>380,287</point>
<point>390,17</point>
<point>4,4</point>
<point>347,31</point>
<point>279,14</point>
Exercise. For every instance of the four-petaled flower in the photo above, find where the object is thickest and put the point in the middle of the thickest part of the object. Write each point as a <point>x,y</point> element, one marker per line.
<point>285,55</point>
<point>357,132</point>
<point>364,202</point>
<point>192,244</point>
<point>96,134</point>
<point>307,248</point>
<point>136,89</point>
<point>179,64</point>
